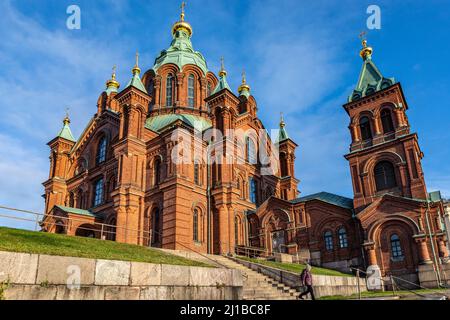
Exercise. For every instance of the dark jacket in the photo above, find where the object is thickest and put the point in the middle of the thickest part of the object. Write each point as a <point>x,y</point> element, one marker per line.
<point>306,278</point>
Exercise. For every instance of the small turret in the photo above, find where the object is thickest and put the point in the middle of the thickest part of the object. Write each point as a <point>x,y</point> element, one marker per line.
<point>112,85</point>
<point>222,84</point>
<point>244,88</point>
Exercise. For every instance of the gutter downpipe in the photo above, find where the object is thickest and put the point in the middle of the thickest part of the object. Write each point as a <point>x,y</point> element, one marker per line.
<point>433,249</point>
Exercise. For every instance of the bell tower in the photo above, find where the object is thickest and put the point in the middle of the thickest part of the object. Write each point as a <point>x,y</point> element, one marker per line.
<point>384,156</point>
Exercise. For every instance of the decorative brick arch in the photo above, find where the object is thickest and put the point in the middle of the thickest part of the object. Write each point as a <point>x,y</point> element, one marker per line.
<point>392,157</point>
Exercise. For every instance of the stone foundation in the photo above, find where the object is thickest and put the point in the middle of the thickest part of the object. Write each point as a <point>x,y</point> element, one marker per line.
<point>33,276</point>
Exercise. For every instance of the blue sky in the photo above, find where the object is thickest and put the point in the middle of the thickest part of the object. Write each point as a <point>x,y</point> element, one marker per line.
<point>301,57</point>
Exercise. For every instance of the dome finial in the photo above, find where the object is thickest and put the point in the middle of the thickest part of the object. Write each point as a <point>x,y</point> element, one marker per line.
<point>244,86</point>
<point>182,25</point>
<point>222,72</point>
<point>112,83</point>
<point>136,69</point>
<point>66,119</point>
<point>282,123</point>
<point>366,51</point>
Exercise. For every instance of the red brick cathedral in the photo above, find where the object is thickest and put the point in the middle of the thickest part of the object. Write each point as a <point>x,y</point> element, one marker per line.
<point>122,179</point>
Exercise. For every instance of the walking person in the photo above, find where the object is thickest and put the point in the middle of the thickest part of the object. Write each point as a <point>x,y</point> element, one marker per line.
<point>306,279</point>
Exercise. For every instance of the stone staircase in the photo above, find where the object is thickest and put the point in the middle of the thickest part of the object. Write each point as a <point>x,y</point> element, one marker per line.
<point>258,286</point>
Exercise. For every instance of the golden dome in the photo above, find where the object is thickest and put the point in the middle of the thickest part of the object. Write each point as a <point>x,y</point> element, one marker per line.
<point>182,25</point>
<point>244,85</point>
<point>365,51</point>
<point>112,83</point>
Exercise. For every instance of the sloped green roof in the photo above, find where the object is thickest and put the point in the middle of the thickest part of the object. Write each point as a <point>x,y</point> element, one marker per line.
<point>157,123</point>
<point>370,81</point>
<point>327,197</point>
<point>136,82</point>
<point>181,53</point>
<point>76,211</point>
<point>66,133</point>
<point>222,84</point>
<point>282,135</point>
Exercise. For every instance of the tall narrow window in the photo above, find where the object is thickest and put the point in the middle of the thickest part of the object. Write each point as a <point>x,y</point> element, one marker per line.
<point>195,225</point>
<point>101,151</point>
<point>253,188</point>
<point>386,121</point>
<point>251,151</point>
<point>169,90</point>
<point>384,175</point>
<point>157,171</point>
<point>236,230</point>
<point>71,200</point>
<point>328,237</point>
<point>98,192</point>
<point>396,247</point>
<point>208,89</point>
<point>366,131</point>
<point>80,199</point>
<point>191,91</point>
<point>196,173</point>
<point>156,227</point>
<point>342,233</point>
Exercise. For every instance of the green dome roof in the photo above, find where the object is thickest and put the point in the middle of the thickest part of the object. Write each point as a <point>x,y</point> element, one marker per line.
<point>157,123</point>
<point>181,53</point>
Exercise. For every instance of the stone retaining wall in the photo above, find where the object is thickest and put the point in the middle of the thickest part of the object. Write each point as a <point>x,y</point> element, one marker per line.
<point>36,276</point>
<point>323,285</point>
<point>428,278</point>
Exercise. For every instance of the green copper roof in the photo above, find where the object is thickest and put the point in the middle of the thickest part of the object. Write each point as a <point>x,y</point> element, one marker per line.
<point>222,84</point>
<point>157,123</point>
<point>65,132</point>
<point>76,211</point>
<point>181,53</point>
<point>136,82</point>
<point>370,80</point>
<point>331,198</point>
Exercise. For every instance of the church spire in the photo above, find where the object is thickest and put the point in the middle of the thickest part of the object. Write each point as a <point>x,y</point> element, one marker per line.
<point>282,134</point>
<point>223,83</point>
<point>182,25</point>
<point>136,79</point>
<point>65,132</point>
<point>244,88</point>
<point>370,78</point>
<point>112,85</point>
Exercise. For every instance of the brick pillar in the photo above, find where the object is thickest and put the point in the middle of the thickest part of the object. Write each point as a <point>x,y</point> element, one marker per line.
<point>424,255</point>
<point>371,254</point>
<point>224,236</point>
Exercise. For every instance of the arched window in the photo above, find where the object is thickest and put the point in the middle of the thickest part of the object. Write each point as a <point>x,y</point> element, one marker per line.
<point>384,176</point>
<point>236,230</point>
<point>157,171</point>
<point>98,192</point>
<point>253,197</point>
<point>251,151</point>
<point>328,237</point>
<point>366,131</point>
<point>101,151</point>
<point>156,227</point>
<point>386,121</point>
<point>396,247</point>
<point>71,200</point>
<point>342,233</point>
<point>195,225</point>
<point>191,91</point>
<point>196,173</point>
<point>283,164</point>
<point>169,90</point>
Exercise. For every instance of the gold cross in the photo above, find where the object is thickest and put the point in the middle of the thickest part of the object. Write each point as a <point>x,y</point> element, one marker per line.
<point>221,63</point>
<point>183,4</point>
<point>362,35</point>
<point>137,58</point>
<point>243,76</point>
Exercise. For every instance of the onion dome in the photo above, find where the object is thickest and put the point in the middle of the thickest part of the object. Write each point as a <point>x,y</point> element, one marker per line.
<point>112,85</point>
<point>366,52</point>
<point>181,52</point>
<point>244,88</point>
<point>182,25</point>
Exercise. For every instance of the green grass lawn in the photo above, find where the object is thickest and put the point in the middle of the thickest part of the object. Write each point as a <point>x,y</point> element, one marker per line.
<point>16,240</point>
<point>296,267</point>
<point>375,294</point>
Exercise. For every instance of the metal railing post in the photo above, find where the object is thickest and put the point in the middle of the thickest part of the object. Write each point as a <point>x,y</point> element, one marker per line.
<point>359,284</point>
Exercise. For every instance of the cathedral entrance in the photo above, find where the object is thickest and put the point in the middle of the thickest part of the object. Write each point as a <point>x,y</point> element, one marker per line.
<point>278,242</point>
